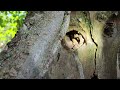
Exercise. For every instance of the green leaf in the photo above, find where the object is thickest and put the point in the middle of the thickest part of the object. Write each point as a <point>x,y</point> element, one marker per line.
<point>10,21</point>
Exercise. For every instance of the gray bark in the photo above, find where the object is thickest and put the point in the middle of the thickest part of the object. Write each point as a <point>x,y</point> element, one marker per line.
<point>45,48</point>
<point>35,46</point>
<point>36,52</point>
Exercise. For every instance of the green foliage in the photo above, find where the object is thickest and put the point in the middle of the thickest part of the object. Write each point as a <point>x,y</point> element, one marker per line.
<point>10,22</point>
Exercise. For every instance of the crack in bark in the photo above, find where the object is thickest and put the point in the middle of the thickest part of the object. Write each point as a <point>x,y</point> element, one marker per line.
<point>58,57</point>
<point>96,48</point>
<point>94,73</point>
<point>95,55</point>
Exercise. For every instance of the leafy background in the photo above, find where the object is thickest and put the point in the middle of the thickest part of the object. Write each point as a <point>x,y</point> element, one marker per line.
<point>10,22</point>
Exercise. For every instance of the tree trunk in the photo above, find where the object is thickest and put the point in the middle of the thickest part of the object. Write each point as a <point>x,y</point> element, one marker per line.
<point>37,52</point>
<point>35,45</point>
<point>99,55</point>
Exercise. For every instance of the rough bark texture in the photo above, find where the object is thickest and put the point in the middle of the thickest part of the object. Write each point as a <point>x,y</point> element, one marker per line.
<point>36,48</point>
<point>36,52</point>
<point>99,55</point>
<point>45,48</point>
<point>65,67</point>
<point>107,52</point>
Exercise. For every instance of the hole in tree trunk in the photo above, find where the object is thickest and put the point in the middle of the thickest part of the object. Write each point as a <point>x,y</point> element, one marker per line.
<point>95,76</point>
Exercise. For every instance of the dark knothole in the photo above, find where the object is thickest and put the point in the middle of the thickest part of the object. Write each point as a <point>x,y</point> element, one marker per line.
<point>108,30</point>
<point>71,34</point>
<point>95,76</point>
<point>73,40</point>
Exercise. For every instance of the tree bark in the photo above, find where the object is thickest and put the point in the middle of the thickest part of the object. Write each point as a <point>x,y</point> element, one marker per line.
<point>36,44</point>
<point>36,52</point>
